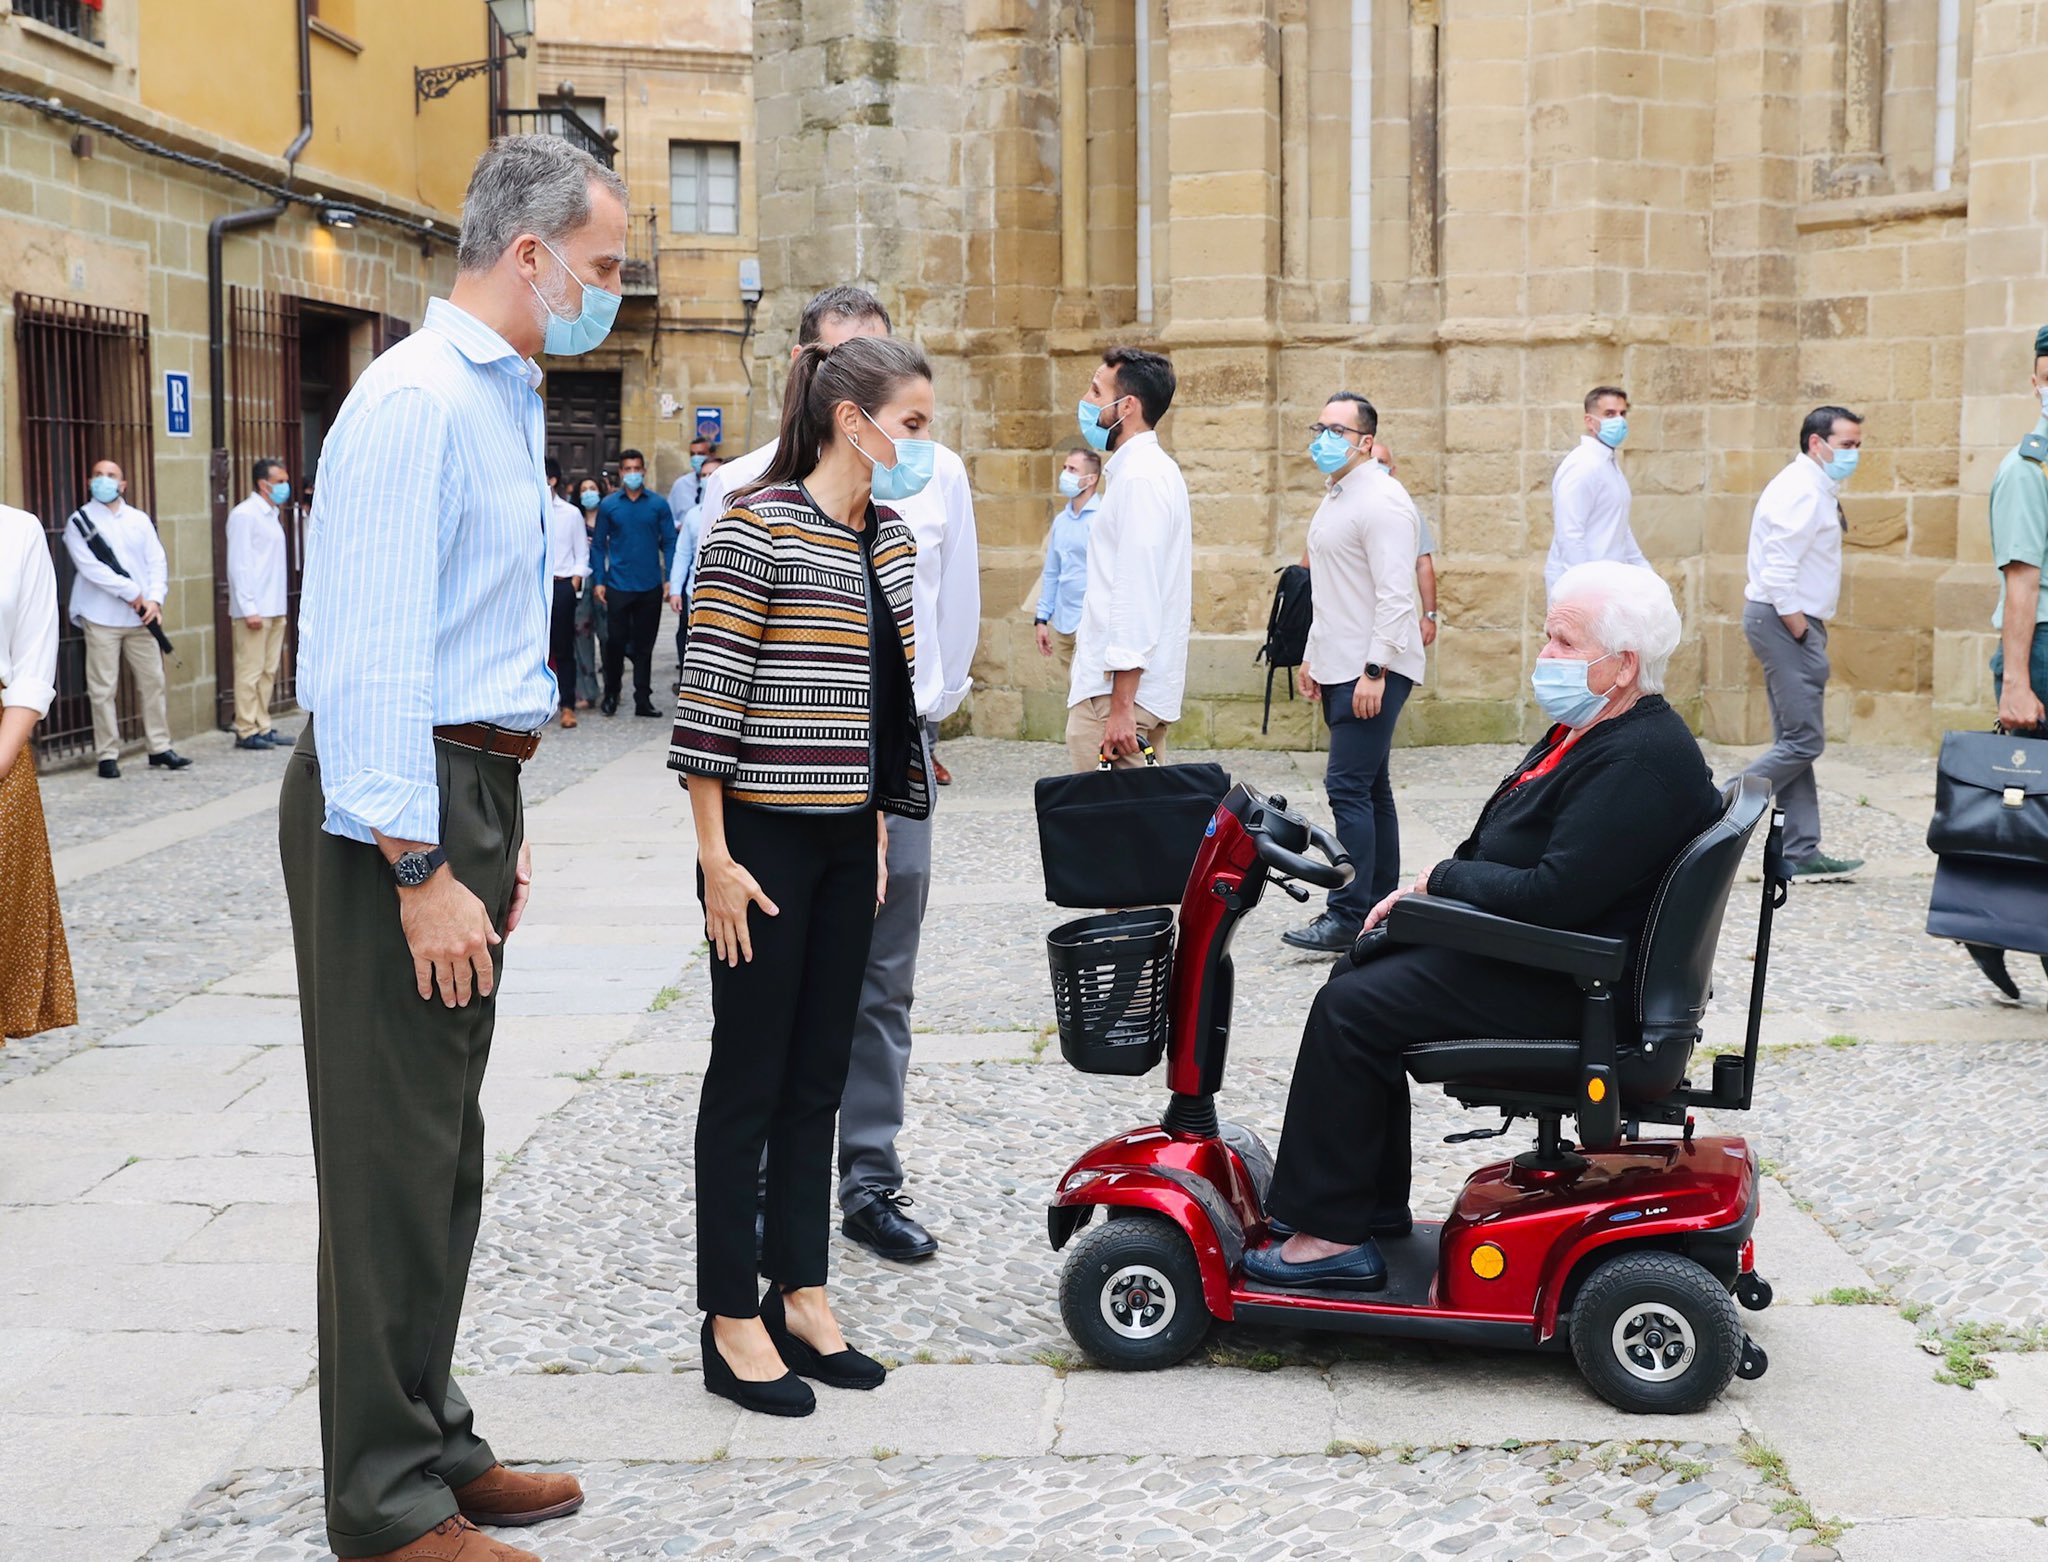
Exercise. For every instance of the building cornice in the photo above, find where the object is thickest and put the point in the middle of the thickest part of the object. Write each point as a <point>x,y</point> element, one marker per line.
<point>550,54</point>
<point>1873,211</point>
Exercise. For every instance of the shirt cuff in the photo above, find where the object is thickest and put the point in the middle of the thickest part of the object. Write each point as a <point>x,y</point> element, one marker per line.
<point>1383,652</point>
<point>376,800</point>
<point>28,694</point>
<point>1124,659</point>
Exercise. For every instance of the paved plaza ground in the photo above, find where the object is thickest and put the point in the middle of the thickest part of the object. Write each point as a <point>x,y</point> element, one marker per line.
<point>157,1230</point>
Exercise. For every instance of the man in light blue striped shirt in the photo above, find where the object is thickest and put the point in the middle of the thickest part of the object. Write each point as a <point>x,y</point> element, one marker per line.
<point>423,660</point>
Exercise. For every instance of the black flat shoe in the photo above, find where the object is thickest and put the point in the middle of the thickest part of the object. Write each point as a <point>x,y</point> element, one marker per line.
<point>1355,1269</point>
<point>842,1369</point>
<point>883,1229</point>
<point>110,770</point>
<point>788,1395</point>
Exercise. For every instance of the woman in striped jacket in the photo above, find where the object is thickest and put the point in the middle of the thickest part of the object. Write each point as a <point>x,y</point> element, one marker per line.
<point>797,735</point>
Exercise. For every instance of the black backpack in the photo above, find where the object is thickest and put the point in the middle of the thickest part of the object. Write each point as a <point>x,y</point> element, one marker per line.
<point>1286,631</point>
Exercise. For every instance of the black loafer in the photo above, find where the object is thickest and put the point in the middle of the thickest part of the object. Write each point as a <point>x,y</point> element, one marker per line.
<point>842,1369</point>
<point>169,759</point>
<point>1329,934</point>
<point>110,770</point>
<point>608,706</point>
<point>788,1395</point>
<point>1384,1223</point>
<point>256,741</point>
<point>1358,1268</point>
<point>883,1229</point>
<point>646,709</point>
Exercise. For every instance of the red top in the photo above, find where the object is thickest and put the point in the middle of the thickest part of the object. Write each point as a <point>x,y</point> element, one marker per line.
<point>1557,750</point>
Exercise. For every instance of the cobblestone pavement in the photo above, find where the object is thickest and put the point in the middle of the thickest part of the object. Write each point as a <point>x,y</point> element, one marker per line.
<point>1603,1503</point>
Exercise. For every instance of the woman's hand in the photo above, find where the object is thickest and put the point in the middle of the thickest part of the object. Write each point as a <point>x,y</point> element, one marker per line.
<point>881,862</point>
<point>728,891</point>
<point>1378,914</point>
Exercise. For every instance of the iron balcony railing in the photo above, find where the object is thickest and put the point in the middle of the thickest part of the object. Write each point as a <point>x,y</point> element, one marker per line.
<point>641,273</point>
<point>70,16</point>
<point>557,121</point>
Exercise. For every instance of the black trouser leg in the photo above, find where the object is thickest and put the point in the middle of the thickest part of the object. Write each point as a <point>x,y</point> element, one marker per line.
<point>562,642</point>
<point>644,628</point>
<point>1362,794</point>
<point>398,1150</point>
<point>615,635</point>
<point>782,1028</point>
<point>1344,1152</point>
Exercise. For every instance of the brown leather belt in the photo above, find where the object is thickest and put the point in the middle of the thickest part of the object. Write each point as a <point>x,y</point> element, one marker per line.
<point>487,739</point>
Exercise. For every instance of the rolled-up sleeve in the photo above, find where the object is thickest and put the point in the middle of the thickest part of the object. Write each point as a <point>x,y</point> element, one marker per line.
<point>32,632</point>
<point>373,577</point>
<point>728,617</point>
<point>1390,551</point>
<point>959,601</point>
<point>1137,612</point>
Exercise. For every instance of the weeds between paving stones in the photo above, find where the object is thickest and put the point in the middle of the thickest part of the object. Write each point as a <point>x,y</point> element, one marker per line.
<point>1795,1509</point>
<point>1965,1350</point>
<point>664,998</point>
<point>1856,1296</point>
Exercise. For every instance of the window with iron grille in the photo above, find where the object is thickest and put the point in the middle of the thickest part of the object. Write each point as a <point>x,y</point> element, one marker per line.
<point>703,187</point>
<point>80,18</point>
<point>84,397</point>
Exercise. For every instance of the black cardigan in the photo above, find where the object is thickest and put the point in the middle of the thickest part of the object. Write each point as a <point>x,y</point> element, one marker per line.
<point>1585,846</point>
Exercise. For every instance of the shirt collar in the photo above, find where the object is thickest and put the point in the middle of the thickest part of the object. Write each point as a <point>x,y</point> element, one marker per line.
<point>1135,442</point>
<point>1817,474</point>
<point>1335,485</point>
<point>1093,500</point>
<point>1598,444</point>
<point>257,493</point>
<point>478,342</point>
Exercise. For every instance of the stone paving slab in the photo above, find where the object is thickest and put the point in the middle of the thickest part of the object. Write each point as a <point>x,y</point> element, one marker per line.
<point>75,1543</point>
<point>145,1372</point>
<point>1942,1540</point>
<point>214,1019</point>
<point>1195,1414</point>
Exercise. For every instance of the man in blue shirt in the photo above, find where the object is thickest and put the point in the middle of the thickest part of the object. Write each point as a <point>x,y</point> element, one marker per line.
<point>689,533</point>
<point>629,554</point>
<point>1065,581</point>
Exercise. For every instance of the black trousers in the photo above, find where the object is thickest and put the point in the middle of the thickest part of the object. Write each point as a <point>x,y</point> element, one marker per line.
<point>1344,1152</point>
<point>398,1149</point>
<point>562,641</point>
<point>781,1032</point>
<point>635,623</point>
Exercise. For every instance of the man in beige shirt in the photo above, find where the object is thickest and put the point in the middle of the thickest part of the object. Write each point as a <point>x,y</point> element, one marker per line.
<point>1364,653</point>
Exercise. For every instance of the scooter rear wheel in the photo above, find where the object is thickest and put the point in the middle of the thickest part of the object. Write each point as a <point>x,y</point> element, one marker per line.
<point>1655,1333</point>
<point>1131,1294</point>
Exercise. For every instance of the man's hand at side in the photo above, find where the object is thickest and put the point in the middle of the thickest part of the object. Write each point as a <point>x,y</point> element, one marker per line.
<point>447,928</point>
<point>522,887</point>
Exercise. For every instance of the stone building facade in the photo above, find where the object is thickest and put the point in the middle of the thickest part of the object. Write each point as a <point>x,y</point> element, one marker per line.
<point>1471,211</point>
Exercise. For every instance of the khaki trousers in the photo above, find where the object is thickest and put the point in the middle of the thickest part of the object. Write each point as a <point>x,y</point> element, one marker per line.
<point>106,649</point>
<point>256,655</point>
<point>1086,723</point>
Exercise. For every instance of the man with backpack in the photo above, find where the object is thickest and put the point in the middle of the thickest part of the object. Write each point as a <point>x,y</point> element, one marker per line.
<point>1363,655</point>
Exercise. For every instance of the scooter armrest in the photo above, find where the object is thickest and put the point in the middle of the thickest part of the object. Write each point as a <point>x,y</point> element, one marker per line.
<point>1453,924</point>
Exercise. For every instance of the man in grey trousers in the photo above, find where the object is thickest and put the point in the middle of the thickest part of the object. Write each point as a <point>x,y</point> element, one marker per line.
<point>1795,581</point>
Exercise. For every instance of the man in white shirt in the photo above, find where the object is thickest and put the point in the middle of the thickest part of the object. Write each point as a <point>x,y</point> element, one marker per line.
<point>1795,579</point>
<point>1364,654</point>
<point>1589,497</point>
<point>683,570</point>
<point>1131,649</point>
<point>115,604</point>
<point>687,491</point>
<point>568,563</point>
<point>946,610</point>
<point>256,595</point>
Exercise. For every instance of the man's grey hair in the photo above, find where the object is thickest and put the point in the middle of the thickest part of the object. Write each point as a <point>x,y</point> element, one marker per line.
<point>528,184</point>
<point>1627,608</point>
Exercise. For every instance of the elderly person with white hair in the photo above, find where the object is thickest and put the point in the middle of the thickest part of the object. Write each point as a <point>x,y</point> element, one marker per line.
<point>1576,836</point>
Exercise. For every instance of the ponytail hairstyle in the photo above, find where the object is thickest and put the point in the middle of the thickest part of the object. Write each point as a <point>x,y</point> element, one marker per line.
<point>864,370</point>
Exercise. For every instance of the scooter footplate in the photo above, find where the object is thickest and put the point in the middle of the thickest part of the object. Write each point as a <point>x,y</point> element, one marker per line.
<point>1411,1271</point>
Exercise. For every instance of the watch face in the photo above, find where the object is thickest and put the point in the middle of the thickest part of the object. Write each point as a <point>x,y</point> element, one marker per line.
<point>413,869</point>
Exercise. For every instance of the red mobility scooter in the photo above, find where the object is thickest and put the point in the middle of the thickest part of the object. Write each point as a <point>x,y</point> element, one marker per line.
<point>1626,1248</point>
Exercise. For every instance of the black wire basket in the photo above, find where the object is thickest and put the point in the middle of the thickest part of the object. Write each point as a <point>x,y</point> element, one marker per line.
<point>1111,976</point>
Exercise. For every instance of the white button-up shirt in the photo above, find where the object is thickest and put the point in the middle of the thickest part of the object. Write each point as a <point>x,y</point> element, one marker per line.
<point>1361,558</point>
<point>1795,542</point>
<point>945,593</point>
<point>256,559</point>
<point>28,614</point>
<point>568,542</point>
<point>1139,605</point>
<point>100,595</point>
<point>427,593</point>
<point>1589,501</point>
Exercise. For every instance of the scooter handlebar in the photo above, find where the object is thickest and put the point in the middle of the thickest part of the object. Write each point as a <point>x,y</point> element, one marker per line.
<point>1334,874</point>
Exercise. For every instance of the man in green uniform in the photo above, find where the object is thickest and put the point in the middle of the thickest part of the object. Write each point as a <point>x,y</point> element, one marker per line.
<point>2019,543</point>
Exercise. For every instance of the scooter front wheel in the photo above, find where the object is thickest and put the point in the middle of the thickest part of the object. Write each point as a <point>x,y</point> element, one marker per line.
<point>1131,1294</point>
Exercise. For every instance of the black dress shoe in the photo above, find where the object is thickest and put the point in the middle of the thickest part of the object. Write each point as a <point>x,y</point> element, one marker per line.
<point>169,759</point>
<point>608,706</point>
<point>1329,934</point>
<point>883,1229</point>
<point>278,739</point>
<point>645,708</point>
<point>788,1395</point>
<point>1384,1223</point>
<point>110,770</point>
<point>842,1369</point>
<point>256,741</point>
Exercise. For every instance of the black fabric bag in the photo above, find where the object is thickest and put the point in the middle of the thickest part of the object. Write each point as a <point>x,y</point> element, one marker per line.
<point>1991,799</point>
<point>1287,626</point>
<point>1997,905</point>
<point>1124,837</point>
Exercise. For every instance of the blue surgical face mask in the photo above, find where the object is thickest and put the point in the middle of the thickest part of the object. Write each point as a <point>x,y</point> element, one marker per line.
<point>633,480</point>
<point>105,489</point>
<point>1330,450</point>
<point>1560,688</point>
<point>1092,428</point>
<point>1070,485</point>
<point>593,322</point>
<point>1843,464</point>
<point>1612,432</point>
<point>588,498</point>
<point>915,459</point>
<point>696,463</point>
<point>280,492</point>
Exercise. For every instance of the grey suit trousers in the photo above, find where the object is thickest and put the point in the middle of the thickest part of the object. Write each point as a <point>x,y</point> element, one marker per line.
<point>1796,679</point>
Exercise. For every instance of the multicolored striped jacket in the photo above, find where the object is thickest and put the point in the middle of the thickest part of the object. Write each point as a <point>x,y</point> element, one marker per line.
<point>777,671</point>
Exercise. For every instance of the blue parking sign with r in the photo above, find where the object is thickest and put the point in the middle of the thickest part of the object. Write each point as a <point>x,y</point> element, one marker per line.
<point>177,404</point>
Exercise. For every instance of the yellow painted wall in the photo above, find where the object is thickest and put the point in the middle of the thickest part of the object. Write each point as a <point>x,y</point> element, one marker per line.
<point>231,67</point>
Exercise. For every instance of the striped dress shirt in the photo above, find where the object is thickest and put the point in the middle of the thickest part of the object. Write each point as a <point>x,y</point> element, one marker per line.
<point>426,589</point>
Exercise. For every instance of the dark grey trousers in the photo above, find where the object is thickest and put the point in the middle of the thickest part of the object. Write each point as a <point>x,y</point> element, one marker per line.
<point>398,1149</point>
<point>1796,679</point>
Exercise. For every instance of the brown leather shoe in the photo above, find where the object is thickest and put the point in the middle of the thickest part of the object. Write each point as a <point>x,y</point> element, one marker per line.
<point>455,1540</point>
<point>940,773</point>
<point>568,718</point>
<point>502,1496</point>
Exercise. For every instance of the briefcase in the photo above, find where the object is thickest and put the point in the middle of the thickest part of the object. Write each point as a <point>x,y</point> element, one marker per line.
<point>1124,837</point>
<point>1991,798</point>
<point>1979,900</point>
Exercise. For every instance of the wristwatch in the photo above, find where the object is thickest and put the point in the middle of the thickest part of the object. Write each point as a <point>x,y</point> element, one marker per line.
<point>1430,615</point>
<point>1374,671</point>
<point>414,868</point>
